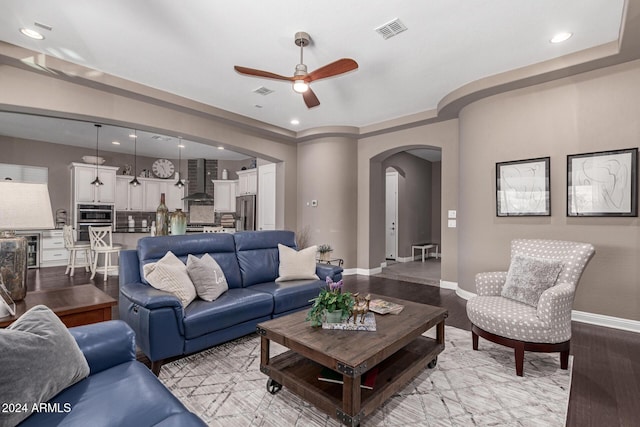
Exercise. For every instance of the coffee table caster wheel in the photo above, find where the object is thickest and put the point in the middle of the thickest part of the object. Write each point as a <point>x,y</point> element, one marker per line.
<point>433,363</point>
<point>273,387</point>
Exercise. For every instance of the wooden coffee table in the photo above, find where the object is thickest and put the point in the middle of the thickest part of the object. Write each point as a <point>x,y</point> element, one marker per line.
<point>74,305</point>
<point>397,348</point>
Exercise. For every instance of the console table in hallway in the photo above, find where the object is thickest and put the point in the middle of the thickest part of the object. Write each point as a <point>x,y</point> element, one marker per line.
<point>74,305</point>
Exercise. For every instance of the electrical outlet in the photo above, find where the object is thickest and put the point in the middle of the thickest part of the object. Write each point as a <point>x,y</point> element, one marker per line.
<point>452,223</point>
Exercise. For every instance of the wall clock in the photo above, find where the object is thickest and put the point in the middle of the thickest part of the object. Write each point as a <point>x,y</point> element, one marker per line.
<point>163,168</point>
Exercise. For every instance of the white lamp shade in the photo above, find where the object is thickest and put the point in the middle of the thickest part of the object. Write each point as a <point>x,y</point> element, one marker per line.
<point>25,206</point>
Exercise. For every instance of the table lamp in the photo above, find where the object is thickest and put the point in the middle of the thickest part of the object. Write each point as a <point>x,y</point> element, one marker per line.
<point>23,206</point>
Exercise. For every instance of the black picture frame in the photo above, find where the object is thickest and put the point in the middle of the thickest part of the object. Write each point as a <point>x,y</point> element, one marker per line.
<point>523,187</point>
<point>603,183</point>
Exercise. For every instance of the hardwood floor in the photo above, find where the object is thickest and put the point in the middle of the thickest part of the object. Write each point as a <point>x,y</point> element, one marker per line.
<point>605,384</point>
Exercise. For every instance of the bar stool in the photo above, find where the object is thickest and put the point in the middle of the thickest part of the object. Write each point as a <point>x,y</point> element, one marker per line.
<point>101,243</point>
<point>75,249</point>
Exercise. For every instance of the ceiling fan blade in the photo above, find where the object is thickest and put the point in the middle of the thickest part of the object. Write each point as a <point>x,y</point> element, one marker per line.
<point>310,98</point>
<point>260,73</point>
<point>338,67</point>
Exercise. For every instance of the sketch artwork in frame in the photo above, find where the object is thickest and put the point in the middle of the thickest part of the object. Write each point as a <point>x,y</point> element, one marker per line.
<point>603,183</point>
<point>522,188</point>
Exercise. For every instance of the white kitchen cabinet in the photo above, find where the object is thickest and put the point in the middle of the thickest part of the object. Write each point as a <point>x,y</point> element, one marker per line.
<point>153,188</point>
<point>53,252</point>
<point>224,195</point>
<point>247,181</point>
<point>128,197</point>
<point>173,196</point>
<point>84,192</point>
<point>266,204</point>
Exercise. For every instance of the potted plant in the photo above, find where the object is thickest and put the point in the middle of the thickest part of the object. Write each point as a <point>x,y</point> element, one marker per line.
<point>325,252</point>
<point>330,302</point>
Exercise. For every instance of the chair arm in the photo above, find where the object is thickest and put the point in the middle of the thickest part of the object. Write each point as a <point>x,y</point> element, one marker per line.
<point>490,283</point>
<point>332,271</point>
<point>105,344</point>
<point>554,305</point>
<point>148,296</point>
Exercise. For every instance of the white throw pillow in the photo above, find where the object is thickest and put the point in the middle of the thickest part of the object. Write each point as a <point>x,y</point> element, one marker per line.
<point>170,275</point>
<point>296,265</point>
<point>529,277</point>
<point>207,277</point>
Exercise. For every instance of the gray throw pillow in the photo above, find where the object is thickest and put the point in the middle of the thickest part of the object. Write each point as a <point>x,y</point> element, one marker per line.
<point>40,358</point>
<point>529,277</point>
<point>207,277</point>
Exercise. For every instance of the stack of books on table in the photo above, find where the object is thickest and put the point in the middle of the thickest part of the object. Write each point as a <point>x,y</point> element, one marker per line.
<point>381,306</point>
<point>368,379</point>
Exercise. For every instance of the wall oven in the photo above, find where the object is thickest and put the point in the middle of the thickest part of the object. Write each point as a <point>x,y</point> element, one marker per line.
<point>92,215</point>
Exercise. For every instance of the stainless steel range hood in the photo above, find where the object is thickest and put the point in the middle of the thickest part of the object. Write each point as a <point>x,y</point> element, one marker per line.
<point>201,182</point>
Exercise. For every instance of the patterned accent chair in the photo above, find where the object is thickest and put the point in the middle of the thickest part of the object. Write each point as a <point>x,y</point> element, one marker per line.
<point>523,327</point>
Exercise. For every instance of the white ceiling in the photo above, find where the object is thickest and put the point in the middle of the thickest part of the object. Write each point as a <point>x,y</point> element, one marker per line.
<point>190,48</point>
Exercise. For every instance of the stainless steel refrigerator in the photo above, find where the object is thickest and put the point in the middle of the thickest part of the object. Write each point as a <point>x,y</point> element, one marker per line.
<point>246,212</point>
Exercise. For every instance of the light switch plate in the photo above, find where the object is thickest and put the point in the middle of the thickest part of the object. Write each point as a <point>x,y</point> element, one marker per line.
<point>451,214</point>
<point>452,223</point>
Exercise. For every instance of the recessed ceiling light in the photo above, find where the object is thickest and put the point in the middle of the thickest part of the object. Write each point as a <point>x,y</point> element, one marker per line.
<point>32,33</point>
<point>560,37</point>
<point>133,135</point>
<point>115,142</point>
<point>295,122</point>
<point>221,148</point>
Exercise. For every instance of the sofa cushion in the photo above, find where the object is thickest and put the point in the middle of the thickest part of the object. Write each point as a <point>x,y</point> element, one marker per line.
<point>529,277</point>
<point>257,253</point>
<point>291,295</point>
<point>231,308</point>
<point>296,265</point>
<point>221,247</point>
<point>207,277</point>
<point>128,394</point>
<point>169,274</point>
<point>40,358</point>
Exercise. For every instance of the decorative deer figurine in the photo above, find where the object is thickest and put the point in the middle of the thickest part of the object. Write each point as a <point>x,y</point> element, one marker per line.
<point>360,307</point>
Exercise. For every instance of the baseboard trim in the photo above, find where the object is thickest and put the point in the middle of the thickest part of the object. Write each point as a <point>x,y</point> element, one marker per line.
<point>362,271</point>
<point>606,321</point>
<point>350,272</point>
<point>448,285</point>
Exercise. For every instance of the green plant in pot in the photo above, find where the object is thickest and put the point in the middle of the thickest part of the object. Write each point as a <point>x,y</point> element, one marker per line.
<point>331,301</point>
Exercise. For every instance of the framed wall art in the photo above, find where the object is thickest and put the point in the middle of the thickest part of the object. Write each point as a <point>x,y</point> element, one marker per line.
<point>522,188</point>
<point>603,183</point>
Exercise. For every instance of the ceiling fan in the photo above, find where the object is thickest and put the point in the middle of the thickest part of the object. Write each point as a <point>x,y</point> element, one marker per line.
<point>301,78</point>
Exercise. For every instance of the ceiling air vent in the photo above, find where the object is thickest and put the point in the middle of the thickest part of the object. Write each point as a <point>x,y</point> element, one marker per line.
<point>263,91</point>
<point>160,138</point>
<point>391,28</point>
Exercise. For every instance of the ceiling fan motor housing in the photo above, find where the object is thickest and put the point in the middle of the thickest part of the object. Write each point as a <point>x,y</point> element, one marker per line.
<point>302,39</point>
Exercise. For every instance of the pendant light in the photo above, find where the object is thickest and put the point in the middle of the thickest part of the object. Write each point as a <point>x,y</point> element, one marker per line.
<point>135,181</point>
<point>97,181</point>
<point>180,182</point>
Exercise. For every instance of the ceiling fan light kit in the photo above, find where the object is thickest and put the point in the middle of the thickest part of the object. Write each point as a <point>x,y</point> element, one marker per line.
<point>301,77</point>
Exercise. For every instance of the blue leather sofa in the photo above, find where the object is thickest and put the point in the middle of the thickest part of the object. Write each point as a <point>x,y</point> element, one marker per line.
<point>119,390</point>
<point>250,261</point>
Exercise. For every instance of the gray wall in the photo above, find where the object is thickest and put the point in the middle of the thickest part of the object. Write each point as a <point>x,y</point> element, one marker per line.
<point>327,173</point>
<point>595,111</point>
<point>436,202</point>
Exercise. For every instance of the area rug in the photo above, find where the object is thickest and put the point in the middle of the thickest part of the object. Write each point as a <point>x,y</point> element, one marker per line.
<point>225,387</point>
